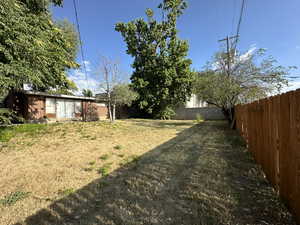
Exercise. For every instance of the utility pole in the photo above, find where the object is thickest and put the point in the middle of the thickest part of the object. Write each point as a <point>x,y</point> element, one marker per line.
<point>227,39</point>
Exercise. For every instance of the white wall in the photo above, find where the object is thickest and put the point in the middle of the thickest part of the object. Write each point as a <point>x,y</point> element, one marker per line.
<point>194,102</point>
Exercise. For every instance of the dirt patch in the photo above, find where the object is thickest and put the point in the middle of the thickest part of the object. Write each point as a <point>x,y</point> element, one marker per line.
<point>136,172</point>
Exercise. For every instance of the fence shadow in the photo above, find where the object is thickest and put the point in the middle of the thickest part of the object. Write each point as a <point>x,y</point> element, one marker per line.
<point>254,194</point>
<point>186,180</point>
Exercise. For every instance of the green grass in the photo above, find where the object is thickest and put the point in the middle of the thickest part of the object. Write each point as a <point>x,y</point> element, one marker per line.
<point>6,133</point>
<point>118,147</point>
<point>104,157</point>
<point>66,192</point>
<point>92,163</point>
<point>130,159</point>
<point>104,171</point>
<point>14,197</point>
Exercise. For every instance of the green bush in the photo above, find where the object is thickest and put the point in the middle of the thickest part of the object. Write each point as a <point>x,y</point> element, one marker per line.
<point>8,117</point>
<point>199,118</point>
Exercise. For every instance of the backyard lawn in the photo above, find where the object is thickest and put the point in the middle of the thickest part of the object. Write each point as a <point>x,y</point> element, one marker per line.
<point>132,172</point>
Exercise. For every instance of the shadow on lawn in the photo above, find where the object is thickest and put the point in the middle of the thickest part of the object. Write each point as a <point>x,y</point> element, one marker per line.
<point>187,180</point>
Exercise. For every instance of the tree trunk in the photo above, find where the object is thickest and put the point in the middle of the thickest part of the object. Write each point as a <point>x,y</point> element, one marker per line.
<point>109,111</point>
<point>114,113</point>
<point>230,116</point>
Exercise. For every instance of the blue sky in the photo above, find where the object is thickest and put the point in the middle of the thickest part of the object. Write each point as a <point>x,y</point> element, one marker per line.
<point>270,24</point>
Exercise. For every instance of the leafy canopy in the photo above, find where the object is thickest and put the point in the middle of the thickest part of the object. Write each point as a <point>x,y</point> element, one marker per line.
<point>251,76</point>
<point>33,49</point>
<point>162,76</point>
<point>123,94</point>
<point>87,93</point>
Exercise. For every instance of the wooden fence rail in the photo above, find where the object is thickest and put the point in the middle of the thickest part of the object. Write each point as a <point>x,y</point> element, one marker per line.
<point>271,128</point>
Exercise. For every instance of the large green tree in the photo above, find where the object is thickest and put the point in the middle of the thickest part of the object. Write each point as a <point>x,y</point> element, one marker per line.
<point>33,49</point>
<point>248,77</point>
<point>162,76</point>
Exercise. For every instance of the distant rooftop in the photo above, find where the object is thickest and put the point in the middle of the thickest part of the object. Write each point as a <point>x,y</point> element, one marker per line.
<point>58,95</point>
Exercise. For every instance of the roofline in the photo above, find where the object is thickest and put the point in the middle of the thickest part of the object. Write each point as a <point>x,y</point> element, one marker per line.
<point>58,95</point>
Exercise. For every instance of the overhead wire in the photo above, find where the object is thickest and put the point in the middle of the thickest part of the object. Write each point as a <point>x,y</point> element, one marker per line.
<point>239,24</point>
<point>80,41</point>
<point>233,17</point>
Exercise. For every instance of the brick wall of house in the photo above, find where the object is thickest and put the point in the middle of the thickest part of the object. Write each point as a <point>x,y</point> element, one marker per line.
<point>102,111</point>
<point>36,107</point>
<point>94,111</point>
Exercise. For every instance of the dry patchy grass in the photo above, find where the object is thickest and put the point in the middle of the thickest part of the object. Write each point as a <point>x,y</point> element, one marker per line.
<point>49,161</point>
<point>164,172</point>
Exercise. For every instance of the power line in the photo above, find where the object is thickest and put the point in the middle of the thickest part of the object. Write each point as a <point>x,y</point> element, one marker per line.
<point>80,40</point>
<point>239,23</point>
<point>233,17</point>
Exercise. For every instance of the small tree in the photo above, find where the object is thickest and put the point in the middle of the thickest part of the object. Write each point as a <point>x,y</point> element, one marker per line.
<point>251,76</point>
<point>115,92</point>
<point>87,93</point>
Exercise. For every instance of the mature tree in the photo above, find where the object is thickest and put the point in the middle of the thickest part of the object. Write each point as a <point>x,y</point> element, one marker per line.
<point>71,36</point>
<point>162,75</point>
<point>87,93</point>
<point>251,76</point>
<point>33,49</point>
<point>123,94</point>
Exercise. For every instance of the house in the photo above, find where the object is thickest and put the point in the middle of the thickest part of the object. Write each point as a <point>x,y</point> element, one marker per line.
<point>35,106</point>
<point>196,108</point>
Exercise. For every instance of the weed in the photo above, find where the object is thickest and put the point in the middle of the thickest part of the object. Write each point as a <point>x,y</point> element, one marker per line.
<point>86,136</point>
<point>88,169</point>
<point>118,147</point>
<point>30,144</point>
<point>12,198</point>
<point>66,192</point>
<point>92,163</point>
<point>121,155</point>
<point>104,170</point>
<point>104,157</point>
<point>130,159</point>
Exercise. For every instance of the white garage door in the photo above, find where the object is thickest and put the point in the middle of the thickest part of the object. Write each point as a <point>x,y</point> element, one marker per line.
<point>60,109</point>
<point>66,109</point>
<point>70,109</point>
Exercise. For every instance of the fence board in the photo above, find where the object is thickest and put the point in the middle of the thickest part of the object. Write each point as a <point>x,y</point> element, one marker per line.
<point>271,129</point>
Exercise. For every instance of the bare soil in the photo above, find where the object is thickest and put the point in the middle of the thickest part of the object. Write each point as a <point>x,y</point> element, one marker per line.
<point>135,172</point>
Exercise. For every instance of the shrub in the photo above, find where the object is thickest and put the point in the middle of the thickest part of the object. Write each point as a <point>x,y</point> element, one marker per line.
<point>8,117</point>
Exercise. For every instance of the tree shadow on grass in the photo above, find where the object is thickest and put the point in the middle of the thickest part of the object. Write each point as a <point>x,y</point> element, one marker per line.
<point>186,180</point>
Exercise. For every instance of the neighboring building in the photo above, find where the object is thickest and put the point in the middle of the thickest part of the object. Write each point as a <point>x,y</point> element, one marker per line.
<point>195,102</point>
<point>39,105</point>
<point>196,108</point>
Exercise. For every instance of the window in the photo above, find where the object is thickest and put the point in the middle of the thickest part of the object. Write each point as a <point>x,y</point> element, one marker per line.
<point>50,105</point>
<point>78,107</point>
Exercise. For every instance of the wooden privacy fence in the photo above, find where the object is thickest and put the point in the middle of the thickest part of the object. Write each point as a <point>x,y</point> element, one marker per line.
<point>271,128</point>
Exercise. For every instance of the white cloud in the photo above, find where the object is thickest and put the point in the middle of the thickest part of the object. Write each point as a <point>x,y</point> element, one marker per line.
<point>248,54</point>
<point>87,65</point>
<point>84,81</point>
<point>293,85</point>
<point>238,58</point>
